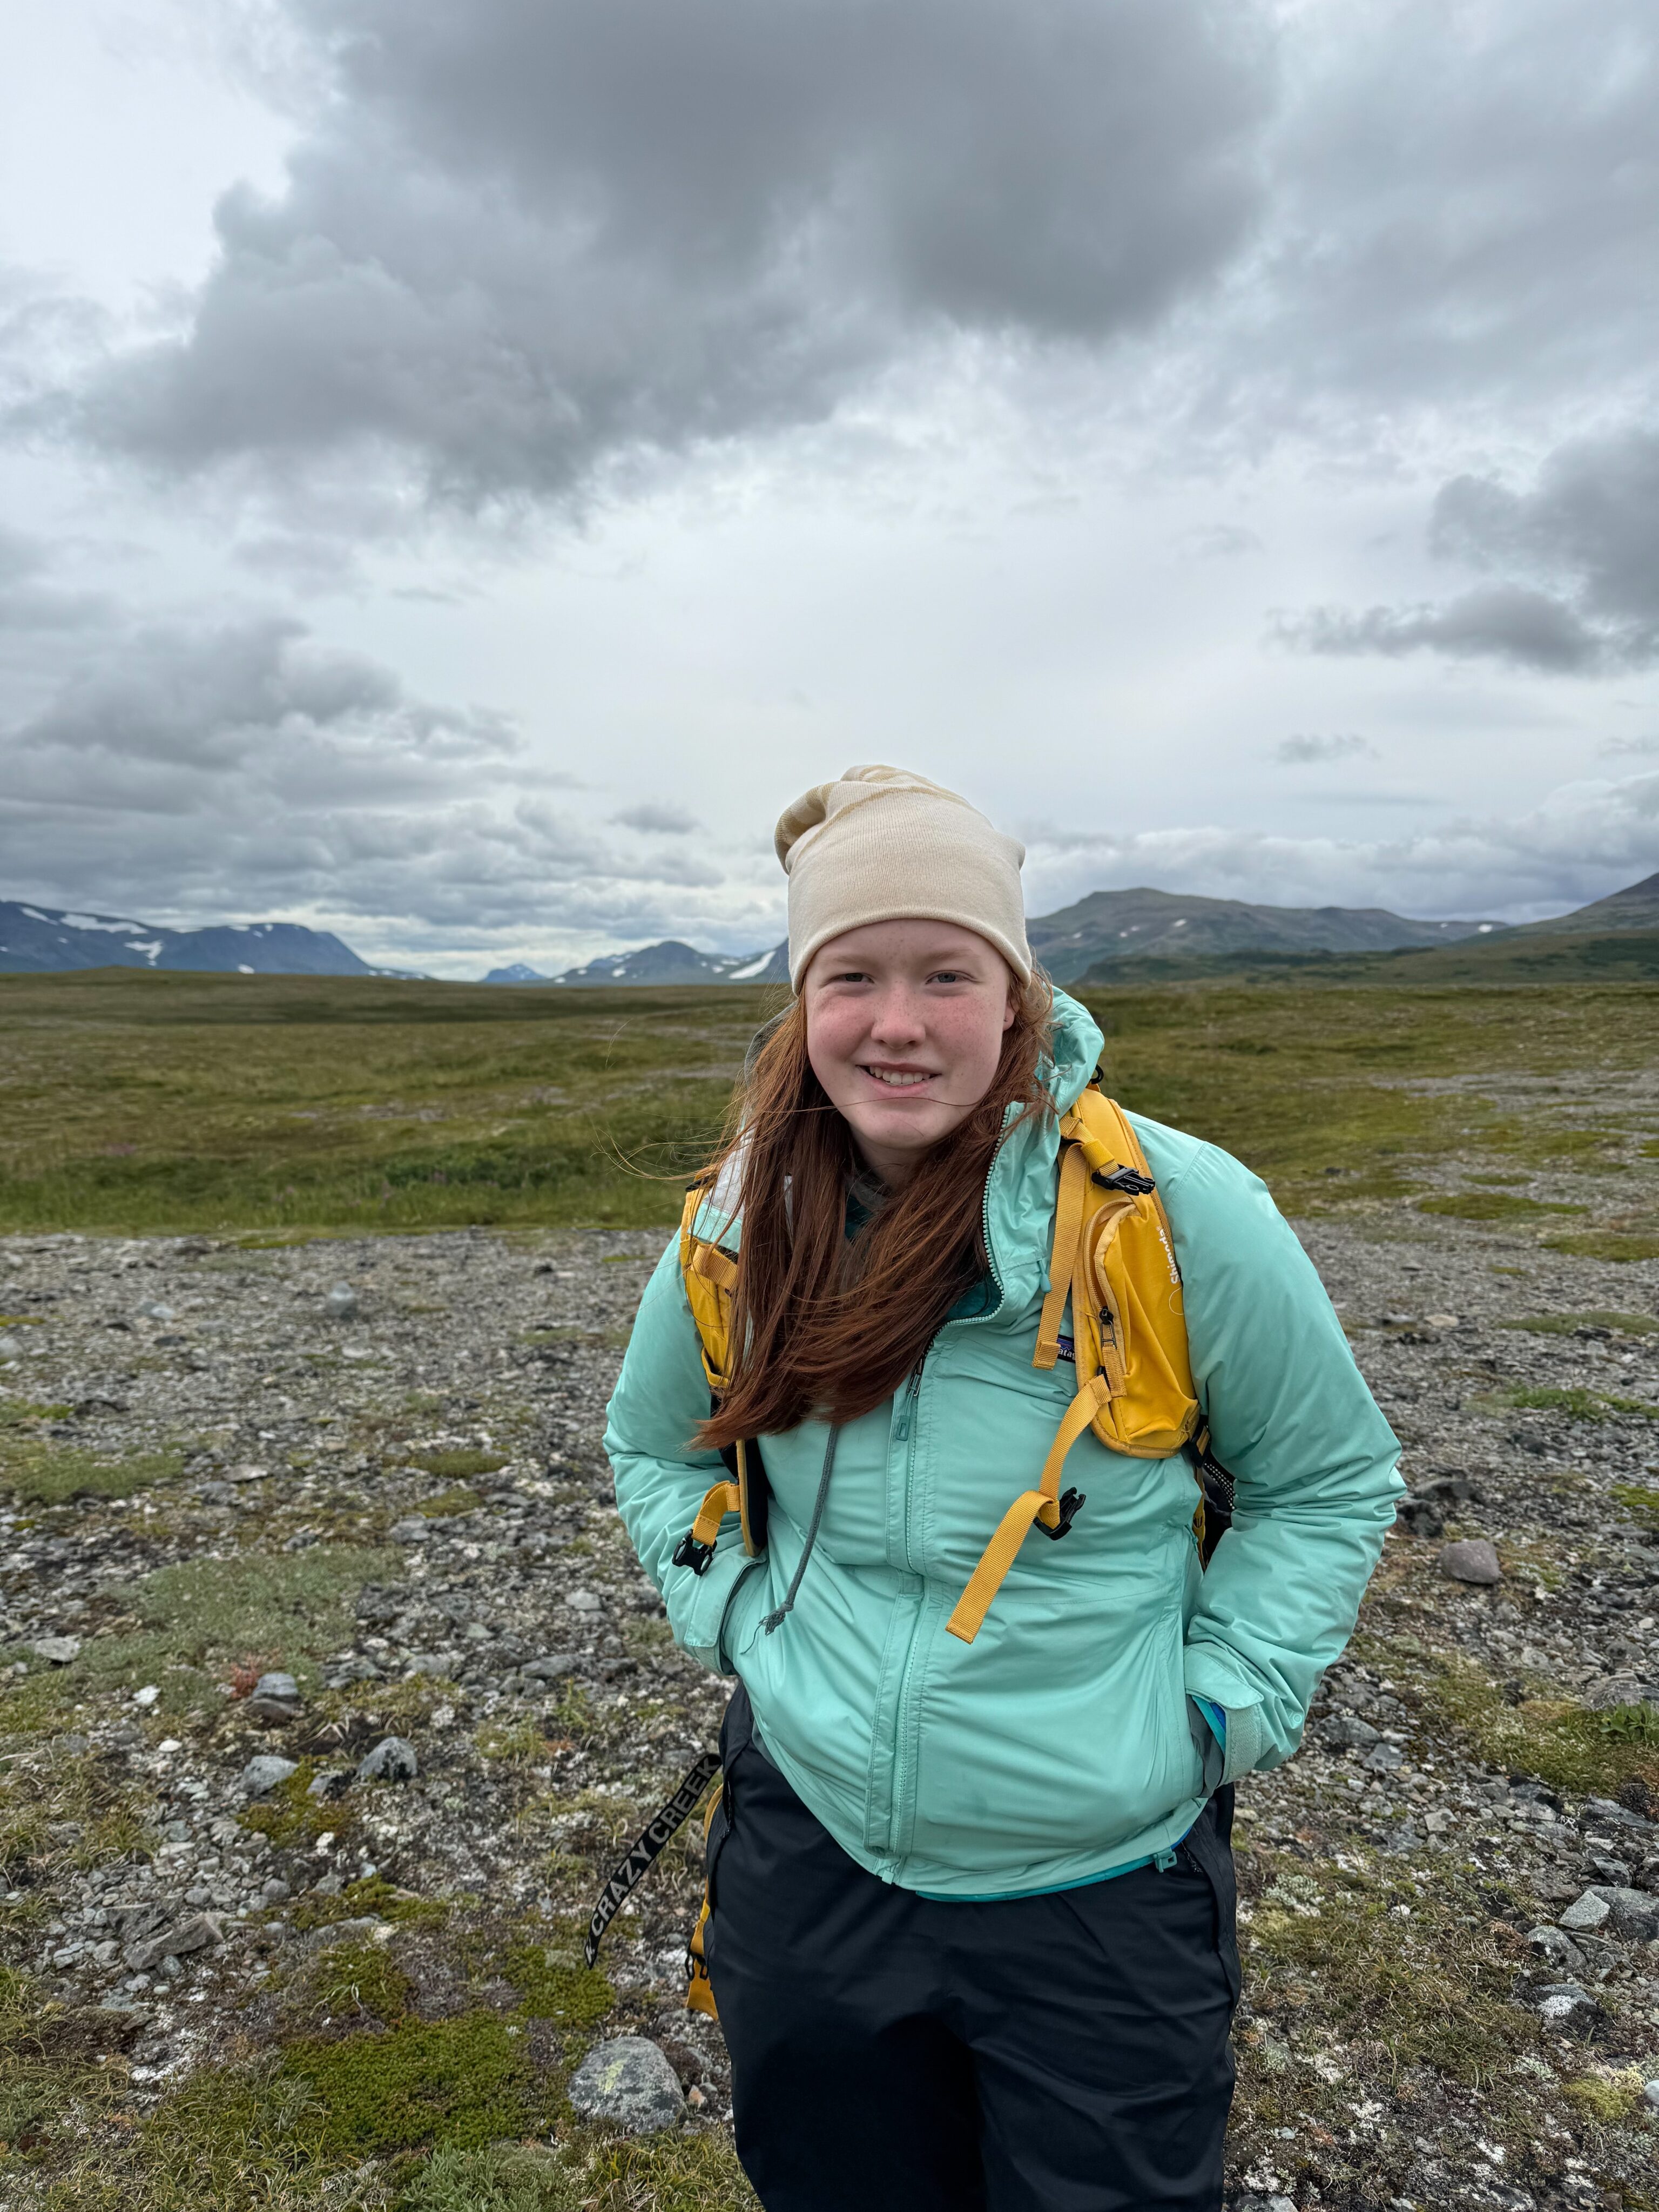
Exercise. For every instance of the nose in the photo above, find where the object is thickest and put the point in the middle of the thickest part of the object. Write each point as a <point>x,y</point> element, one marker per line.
<point>897,1018</point>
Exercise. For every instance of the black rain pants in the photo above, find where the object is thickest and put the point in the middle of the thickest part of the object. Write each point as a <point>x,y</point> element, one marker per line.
<point>1064,2053</point>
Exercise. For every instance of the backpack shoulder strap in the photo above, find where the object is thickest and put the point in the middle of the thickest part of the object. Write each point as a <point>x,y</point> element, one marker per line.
<point>710,1274</point>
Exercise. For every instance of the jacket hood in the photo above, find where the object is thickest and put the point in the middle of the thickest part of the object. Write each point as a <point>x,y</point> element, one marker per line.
<point>1075,1054</point>
<point>1019,1193</point>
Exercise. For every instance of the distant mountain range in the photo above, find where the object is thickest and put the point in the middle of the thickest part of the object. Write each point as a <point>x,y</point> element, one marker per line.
<point>670,962</point>
<point>1108,931</point>
<point>1109,927</point>
<point>1100,929</point>
<point>48,941</point>
<point>1636,906</point>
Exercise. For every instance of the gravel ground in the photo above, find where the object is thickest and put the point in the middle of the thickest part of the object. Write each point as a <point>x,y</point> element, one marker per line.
<point>374,1466</point>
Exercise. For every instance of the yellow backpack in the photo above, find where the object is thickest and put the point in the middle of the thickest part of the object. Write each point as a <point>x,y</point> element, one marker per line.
<point>1113,1257</point>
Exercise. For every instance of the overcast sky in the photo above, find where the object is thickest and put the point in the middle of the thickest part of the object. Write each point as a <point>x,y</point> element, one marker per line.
<point>465,465</point>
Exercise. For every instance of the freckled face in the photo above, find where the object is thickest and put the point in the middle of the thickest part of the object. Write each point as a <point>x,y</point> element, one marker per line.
<point>904,1029</point>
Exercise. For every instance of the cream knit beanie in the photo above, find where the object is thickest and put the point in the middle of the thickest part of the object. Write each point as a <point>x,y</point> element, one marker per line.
<point>881,845</point>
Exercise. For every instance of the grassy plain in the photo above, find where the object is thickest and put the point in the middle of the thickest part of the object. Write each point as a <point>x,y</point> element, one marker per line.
<point>281,1105</point>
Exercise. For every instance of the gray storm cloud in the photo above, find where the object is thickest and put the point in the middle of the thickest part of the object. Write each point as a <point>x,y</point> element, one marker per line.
<point>1581,547</point>
<point>518,245</point>
<point>522,237</point>
<point>209,769</point>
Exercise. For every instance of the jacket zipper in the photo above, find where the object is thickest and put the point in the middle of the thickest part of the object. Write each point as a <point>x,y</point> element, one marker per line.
<point>912,1391</point>
<point>903,1764</point>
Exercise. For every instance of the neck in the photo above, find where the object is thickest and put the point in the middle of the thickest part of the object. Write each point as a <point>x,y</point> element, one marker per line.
<point>892,1170</point>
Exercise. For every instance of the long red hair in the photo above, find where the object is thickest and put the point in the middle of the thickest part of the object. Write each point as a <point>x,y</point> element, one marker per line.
<point>822,1324</point>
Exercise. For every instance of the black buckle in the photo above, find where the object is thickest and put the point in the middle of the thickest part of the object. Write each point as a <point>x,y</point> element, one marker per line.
<point>1126,1178</point>
<point>1071,1504</point>
<point>689,1553</point>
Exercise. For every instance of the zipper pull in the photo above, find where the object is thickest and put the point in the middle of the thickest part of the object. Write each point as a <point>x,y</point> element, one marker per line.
<point>1164,1860</point>
<point>907,1407</point>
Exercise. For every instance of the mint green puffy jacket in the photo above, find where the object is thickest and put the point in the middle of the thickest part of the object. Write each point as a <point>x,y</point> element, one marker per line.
<point>1056,1746</point>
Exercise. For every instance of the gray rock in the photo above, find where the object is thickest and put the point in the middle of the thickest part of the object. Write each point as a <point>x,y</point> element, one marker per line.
<point>585,1600</point>
<point>628,2083</point>
<point>275,1891</point>
<point>263,1771</point>
<point>1614,1873</point>
<point>1384,1758</point>
<point>192,1935</point>
<point>392,1760</point>
<point>1561,2003</point>
<point>1585,1913</point>
<point>1632,1913</point>
<point>11,1347</point>
<point>340,1302</point>
<point>1402,1841</point>
<point>1347,1732</point>
<point>1419,1516</point>
<point>1608,1812</point>
<point>414,1529</point>
<point>332,1782</point>
<point>348,1667</point>
<point>442,1664</point>
<point>1556,1945</point>
<point>275,1699</point>
<point>1651,2096</point>
<point>59,1650</point>
<point>1473,1560</point>
<point>1615,1690</point>
<point>551,1667</point>
<point>155,1311</point>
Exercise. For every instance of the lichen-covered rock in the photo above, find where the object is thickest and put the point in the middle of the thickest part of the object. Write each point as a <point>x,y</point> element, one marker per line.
<point>628,2083</point>
<point>59,1650</point>
<point>392,1760</point>
<point>1556,1945</point>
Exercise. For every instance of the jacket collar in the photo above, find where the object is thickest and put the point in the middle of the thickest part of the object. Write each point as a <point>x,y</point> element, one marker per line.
<point>1019,1193</point>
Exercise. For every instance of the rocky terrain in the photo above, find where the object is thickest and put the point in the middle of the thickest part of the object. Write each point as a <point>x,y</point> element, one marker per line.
<point>329,1692</point>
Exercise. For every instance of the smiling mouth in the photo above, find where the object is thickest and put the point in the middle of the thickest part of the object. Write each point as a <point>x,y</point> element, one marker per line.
<point>901,1078</point>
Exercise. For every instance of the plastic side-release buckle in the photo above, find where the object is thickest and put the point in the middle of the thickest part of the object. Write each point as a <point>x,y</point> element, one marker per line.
<point>689,1553</point>
<point>1126,1178</point>
<point>1071,1504</point>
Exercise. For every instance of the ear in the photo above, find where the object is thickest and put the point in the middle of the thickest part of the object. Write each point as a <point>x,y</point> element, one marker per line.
<point>1009,1009</point>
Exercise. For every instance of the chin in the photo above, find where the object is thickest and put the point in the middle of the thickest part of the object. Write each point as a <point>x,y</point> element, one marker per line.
<point>902,1131</point>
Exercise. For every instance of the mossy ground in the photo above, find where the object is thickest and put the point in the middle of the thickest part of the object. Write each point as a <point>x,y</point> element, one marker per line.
<point>43,1472</point>
<point>139,1102</point>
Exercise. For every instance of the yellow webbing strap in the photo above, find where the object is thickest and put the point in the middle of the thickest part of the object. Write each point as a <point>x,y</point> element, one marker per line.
<point>1040,1504</point>
<point>725,1497</point>
<point>1068,1231</point>
<point>712,1265</point>
<point>699,1990</point>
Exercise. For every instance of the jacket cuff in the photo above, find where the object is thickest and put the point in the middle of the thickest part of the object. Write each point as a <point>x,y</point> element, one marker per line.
<point>1213,1675</point>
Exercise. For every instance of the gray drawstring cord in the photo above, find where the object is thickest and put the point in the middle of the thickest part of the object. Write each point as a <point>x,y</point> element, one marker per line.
<point>774,1620</point>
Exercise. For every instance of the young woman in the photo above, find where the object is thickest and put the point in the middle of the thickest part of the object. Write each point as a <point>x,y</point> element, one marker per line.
<point>972,1933</point>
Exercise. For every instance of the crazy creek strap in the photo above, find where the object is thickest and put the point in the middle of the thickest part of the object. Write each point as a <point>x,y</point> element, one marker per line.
<point>645,1848</point>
